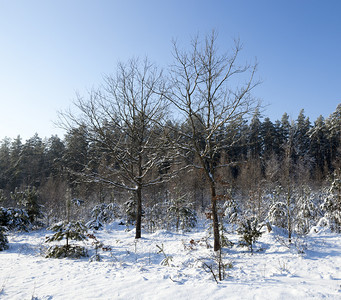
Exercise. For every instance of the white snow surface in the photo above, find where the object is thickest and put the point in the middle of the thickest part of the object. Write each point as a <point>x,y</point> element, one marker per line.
<point>133,268</point>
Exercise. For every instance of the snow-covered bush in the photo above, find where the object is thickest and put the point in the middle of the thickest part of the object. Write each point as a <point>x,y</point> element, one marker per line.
<point>130,210</point>
<point>3,239</point>
<point>231,211</point>
<point>332,204</point>
<point>101,214</point>
<point>156,216</point>
<point>176,213</point>
<point>75,231</point>
<point>307,211</point>
<point>249,231</point>
<point>277,214</point>
<point>181,213</point>
<point>14,219</point>
<point>29,200</point>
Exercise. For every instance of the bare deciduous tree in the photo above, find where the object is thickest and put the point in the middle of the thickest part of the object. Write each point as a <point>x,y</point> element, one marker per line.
<point>123,122</point>
<point>211,91</point>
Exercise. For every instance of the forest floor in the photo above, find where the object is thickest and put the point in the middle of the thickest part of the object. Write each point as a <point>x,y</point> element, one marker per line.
<point>136,269</point>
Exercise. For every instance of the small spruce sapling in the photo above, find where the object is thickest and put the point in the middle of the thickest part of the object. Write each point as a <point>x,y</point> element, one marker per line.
<point>249,231</point>
<point>180,209</point>
<point>29,199</point>
<point>67,230</point>
<point>75,231</point>
<point>98,245</point>
<point>130,210</point>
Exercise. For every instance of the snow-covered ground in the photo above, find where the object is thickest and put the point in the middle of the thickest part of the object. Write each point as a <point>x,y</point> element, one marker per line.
<point>133,269</point>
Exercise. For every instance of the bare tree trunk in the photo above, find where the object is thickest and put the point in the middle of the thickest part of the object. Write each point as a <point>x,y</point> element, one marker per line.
<point>138,212</point>
<point>289,221</point>
<point>216,235</point>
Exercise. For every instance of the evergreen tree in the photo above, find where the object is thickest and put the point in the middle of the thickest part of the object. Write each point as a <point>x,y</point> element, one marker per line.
<point>16,172</point>
<point>3,239</point>
<point>180,209</point>
<point>255,141</point>
<point>32,161</point>
<point>5,164</point>
<point>29,199</point>
<point>54,153</point>
<point>249,231</point>
<point>333,124</point>
<point>70,231</point>
<point>319,148</point>
<point>269,142</point>
<point>332,204</point>
<point>306,210</point>
<point>301,140</point>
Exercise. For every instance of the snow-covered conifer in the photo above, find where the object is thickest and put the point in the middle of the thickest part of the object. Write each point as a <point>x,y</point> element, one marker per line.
<point>14,218</point>
<point>75,231</point>
<point>306,210</point>
<point>3,239</point>
<point>249,232</point>
<point>29,200</point>
<point>101,214</point>
<point>332,204</point>
<point>181,212</point>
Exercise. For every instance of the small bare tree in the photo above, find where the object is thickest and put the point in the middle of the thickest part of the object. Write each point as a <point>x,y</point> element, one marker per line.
<point>123,120</point>
<point>212,92</point>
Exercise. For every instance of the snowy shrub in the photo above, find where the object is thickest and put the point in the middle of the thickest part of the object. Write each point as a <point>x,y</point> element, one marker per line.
<point>101,214</point>
<point>29,200</point>
<point>97,244</point>
<point>130,210</point>
<point>277,214</point>
<point>249,232</point>
<point>14,219</point>
<point>3,239</point>
<point>224,241</point>
<point>307,211</point>
<point>176,213</point>
<point>181,213</point>
<point>75,231</point>
<point>216,265</point>
<point>332,205</point>
<point>156,217</point>
<point>231,211</point>
<point>321,226</point>
<point>70,251</point>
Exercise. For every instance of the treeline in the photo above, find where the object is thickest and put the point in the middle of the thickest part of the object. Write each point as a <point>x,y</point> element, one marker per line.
<point>257,156</point>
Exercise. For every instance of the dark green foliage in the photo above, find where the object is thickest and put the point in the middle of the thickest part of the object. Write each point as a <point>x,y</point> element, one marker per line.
<point>101,214</point>
<point>68,230</point>
<point>130,210</point>
<point>249,232</point>
<point>3,239</point>
<point>14,219</point>
<point>75,231</point>
<point>29,200</point>
<point>70,251</point>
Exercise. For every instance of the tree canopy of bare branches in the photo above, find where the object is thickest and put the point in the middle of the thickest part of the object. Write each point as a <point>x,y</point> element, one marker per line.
<point>212,92</point>
<point>123,121</point>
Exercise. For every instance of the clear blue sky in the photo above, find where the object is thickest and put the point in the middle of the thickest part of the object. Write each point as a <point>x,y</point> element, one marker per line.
<point>51,49</point>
